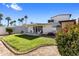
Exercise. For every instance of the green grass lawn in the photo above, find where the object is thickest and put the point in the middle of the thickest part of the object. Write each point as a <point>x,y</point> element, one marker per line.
<point>24,43</point>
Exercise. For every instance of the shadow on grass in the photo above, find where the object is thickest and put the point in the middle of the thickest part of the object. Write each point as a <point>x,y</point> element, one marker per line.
<point>48,36</point>
<point>29,37</point>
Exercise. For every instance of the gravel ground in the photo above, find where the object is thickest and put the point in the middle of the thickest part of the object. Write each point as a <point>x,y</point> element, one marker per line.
<point>42,51</point>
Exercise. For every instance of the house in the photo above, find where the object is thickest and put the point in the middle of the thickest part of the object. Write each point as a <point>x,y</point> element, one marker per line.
<point>43,28</point>
<point>53,25</point>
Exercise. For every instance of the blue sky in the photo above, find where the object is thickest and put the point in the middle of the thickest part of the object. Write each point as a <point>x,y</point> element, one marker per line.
<point>38,12</point>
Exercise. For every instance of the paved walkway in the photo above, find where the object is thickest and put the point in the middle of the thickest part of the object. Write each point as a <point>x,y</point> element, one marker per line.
<point>4,51</point>
<point>45,51</point>
<point>42,51</point>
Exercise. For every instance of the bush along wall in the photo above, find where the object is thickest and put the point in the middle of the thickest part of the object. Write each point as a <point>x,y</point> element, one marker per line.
<point>9,30</point>
<point>68,41</point>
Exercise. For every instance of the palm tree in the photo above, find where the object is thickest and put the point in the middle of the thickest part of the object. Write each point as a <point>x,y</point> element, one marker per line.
<point>13,22</point>
<point>1,15</point>
<point>8,20</point>
<point>22,19</point>
<point>25,17</point>
<point>19,20</point>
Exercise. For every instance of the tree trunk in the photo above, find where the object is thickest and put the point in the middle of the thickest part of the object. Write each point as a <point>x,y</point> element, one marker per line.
<point>26,21</point>
<point>0,21</point>
<point>8,24</point>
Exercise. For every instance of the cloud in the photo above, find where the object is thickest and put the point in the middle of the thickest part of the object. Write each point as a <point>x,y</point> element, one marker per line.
<point>13,6</point>
<point>7,6</point>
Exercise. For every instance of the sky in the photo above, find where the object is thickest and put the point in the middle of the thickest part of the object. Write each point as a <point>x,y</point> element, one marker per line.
<point>37,12</point>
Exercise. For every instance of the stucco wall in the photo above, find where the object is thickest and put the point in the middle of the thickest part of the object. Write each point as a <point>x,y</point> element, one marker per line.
<point>48,28</point>
<point>18,29</point>
<point>3,31</point>
<point>61,17</point>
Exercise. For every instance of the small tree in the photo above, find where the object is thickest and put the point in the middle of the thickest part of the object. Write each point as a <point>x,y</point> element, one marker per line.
<point>9,30</point>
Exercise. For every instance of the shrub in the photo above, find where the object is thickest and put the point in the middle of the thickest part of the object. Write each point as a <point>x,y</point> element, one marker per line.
<point>68,41</point>
<point>51,34</point>
<point>9,30</point>
<point>22,32</point>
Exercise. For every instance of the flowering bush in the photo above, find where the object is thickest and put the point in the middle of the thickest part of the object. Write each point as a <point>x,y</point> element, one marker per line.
<point>68,41</point>
<point>65,29</point>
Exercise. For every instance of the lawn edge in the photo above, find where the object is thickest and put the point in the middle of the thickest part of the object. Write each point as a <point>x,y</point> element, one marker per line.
<point>20,53</point>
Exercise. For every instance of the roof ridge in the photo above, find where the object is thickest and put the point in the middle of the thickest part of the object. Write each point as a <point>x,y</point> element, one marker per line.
<point>61,14</point>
